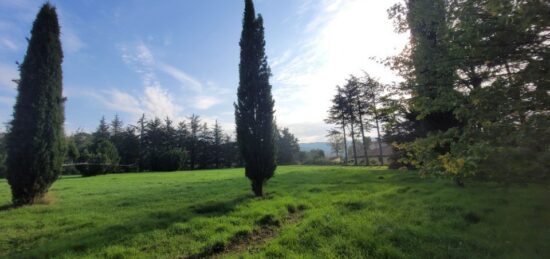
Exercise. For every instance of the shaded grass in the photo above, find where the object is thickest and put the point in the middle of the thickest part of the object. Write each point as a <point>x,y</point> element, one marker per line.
<point>344,212</point>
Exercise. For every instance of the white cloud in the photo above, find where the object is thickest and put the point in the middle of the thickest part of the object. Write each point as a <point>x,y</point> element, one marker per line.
<point>155,99</point>
<point>182,77</point>
<point>9,44</point>
<point>119,101</point>
<point>343,36</point>
<point>7,74</point>
<point>158,102</point>
<point>205,102</point>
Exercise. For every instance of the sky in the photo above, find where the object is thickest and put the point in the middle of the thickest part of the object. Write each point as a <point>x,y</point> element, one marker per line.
<point>177,58</point>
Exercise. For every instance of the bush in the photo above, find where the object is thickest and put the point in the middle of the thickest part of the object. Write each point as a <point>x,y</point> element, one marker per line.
<point>104,159</point>
<point>172,160</point>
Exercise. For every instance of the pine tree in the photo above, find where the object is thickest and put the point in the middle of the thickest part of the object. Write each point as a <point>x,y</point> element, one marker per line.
<point>36,140</point>
<point>254,108</point>
<point>217,148</point>
<point>337,115</point>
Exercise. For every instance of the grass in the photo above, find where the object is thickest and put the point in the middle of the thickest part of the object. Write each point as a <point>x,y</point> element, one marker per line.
<point>309,212</point>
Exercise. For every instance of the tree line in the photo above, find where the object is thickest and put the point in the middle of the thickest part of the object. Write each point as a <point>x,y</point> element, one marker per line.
<point>162,145</point>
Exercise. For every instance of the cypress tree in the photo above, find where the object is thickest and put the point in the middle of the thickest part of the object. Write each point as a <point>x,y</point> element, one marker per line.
<point>254,107</point>
<point>35,141</point>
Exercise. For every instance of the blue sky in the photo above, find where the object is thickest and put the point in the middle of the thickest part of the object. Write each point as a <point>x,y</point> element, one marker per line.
<point>175,58</point>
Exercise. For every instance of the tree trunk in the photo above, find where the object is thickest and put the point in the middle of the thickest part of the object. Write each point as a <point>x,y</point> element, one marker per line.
<point>380,156</point>
<point>257,188</point>
<point>345,143</point>
<point>353,143</point>
<point>365,148</point>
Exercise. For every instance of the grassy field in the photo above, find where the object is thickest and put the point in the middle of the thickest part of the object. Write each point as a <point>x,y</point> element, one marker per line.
<point>311,212</point>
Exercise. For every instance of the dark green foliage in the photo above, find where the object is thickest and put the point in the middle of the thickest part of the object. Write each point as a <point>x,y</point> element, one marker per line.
<point>172,160</point>
<point>254,107</point>
<point>287,148</point>
<point>35,141</point>
<point>314,157</point>
<point>2,155</point>
<point>103,159</point>
<point>477,72</point>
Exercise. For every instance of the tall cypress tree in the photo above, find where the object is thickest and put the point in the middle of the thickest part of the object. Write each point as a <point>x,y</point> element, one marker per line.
<point>254,108</point>
<point>35,141</point>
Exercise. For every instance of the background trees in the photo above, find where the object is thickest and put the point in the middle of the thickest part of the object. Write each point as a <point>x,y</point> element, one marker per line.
<point>35,140</point>
<point>355,109</point>
<point>161,147</point>
<point>254,107</point>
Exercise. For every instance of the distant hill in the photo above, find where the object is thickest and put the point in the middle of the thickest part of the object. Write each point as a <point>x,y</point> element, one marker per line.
<point>325,146</point>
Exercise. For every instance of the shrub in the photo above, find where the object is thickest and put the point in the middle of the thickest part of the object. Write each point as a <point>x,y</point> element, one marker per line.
<point>104,159</point>
<point>172,160</point>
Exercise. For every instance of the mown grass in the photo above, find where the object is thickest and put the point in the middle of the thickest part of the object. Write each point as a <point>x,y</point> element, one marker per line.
<point>309,212</point>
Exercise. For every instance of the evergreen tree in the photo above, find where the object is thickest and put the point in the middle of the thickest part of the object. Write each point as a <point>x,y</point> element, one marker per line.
<point>103,131</point>
<point>36,140</point>
<point>337,115</point>
<point>254,107</point>
<point>287,148</point>
<point>217,148</point>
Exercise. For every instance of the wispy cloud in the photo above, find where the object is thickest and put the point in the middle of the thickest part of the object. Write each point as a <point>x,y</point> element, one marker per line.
<point>9,44</point>
<point>205,102</point>
<point>185,79</point>
<point>342,37</point>
<point>155,99</point>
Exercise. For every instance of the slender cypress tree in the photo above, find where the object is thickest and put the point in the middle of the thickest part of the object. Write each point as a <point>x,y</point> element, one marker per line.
<point>35,141</point>
<point>254,107</point>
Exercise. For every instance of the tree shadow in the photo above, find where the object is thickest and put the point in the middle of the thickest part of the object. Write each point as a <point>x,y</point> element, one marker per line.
<point>104,236</point>
<point>6,207</point>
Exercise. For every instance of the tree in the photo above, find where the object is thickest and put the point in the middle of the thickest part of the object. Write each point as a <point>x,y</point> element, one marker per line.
<point>350,92</point>
<point>103,131</point>
<point>287,147</point>
<point>193,141</point>
<point>372,91</point>
<point>35,141</point>
<point>217,149</point>
<point>254,107</point>
<point>336,139</point>
<point>337,115</point>
<point>2,156</point>
<point>475,71</point>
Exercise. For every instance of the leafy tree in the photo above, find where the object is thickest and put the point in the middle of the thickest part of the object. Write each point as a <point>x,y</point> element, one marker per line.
<point>103,159</point>
<point>287,147</point>
<point>172,160</point>
<point>479,93</point>
<point>254,107</point>
<point>336,141</point>
<point>35,141</point>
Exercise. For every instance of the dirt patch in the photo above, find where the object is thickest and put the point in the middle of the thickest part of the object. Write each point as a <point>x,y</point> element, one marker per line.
<point>248,241</point>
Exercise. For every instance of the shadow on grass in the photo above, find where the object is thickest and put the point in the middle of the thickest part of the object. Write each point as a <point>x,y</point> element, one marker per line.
<point>6,207</point>
<point>104,236</point>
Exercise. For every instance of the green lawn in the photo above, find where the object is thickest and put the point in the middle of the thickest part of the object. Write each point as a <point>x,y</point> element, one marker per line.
<point>311,212</point>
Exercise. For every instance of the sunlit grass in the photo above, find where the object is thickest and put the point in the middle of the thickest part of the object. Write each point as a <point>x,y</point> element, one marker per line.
<point>338,212</point>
